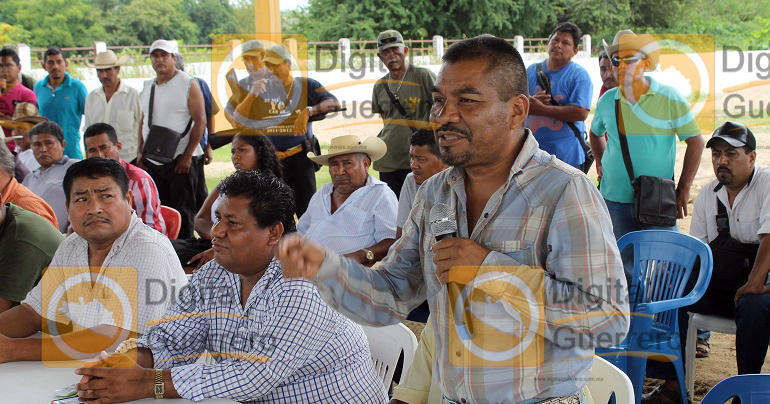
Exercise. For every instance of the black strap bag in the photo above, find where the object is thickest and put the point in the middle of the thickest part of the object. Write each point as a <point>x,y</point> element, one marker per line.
<point>545,83</point>
<point>654,197</point>
<point>161,142</point>
<point>733,260</point>
<point>397,103</point>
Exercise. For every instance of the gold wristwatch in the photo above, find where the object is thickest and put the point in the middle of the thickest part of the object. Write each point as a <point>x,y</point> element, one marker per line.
<point>369,255</point>
<point>159,388</point>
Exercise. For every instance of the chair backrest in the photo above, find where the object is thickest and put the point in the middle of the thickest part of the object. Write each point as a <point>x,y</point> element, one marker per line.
<point>606,379</point>
<point>751,389</point>
<point>173,221</point>
<point>663,263</point>
<point>386,344</point>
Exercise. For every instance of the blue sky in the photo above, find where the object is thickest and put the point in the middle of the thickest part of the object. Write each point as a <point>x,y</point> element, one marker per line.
<point>293,4</point>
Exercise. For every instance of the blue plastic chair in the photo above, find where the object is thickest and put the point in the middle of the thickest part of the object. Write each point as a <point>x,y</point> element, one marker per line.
<point>663,263</point>
<point>751,389</point>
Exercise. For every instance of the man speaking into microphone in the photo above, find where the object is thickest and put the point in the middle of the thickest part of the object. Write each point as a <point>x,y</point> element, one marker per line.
<point>530,281</point>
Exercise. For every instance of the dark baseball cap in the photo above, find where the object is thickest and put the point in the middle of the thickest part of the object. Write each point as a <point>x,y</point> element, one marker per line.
<point>735,134</point>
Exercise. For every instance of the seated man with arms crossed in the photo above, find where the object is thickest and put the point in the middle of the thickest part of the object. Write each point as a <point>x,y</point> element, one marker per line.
<point>110,244</point>
<point>355,214</point>
<point>273,340</point>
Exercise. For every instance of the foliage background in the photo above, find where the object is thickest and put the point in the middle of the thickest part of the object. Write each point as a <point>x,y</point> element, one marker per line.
<point>69,23</point>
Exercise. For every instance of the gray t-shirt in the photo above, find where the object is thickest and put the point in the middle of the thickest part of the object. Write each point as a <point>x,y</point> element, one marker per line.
<point>408,192</point>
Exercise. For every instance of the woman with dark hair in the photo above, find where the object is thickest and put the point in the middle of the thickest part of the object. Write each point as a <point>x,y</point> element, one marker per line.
<point>248,152</point>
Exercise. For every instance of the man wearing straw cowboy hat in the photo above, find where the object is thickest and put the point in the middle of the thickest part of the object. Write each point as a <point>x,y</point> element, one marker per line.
<point>25,116</point>
<point>115,103</point>
<point>355,214</point>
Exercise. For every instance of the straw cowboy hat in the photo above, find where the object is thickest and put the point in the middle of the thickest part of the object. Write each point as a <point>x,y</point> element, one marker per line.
<point>105,60</point>
<point>374,147</point>
<point>627,40</point>
<point>25,117</point>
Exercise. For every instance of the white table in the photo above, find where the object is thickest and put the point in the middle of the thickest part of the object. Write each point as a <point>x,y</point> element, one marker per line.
<point>34,383</point>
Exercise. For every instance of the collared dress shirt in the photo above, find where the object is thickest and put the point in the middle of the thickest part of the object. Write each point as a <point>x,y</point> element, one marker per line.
<point>146,201</point>
<point>123,112</point>
<point>749,214</point>
<point>153,285</point>
<point>48,185</point>
<point>367,217</point>
<point>316,354</point>
<point>548,227</point>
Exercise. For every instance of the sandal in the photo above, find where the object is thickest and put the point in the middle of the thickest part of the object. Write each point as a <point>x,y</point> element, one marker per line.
<point>702,348</point>
<point>661,395</point>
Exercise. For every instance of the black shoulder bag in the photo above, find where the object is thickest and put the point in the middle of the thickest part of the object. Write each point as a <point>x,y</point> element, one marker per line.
<point>161,142</point>
<point>733,260</point>
<point>545,83</point>
<point>654,198</point>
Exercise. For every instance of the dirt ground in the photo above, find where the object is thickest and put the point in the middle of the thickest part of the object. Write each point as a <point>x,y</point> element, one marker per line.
<point>709,371</point>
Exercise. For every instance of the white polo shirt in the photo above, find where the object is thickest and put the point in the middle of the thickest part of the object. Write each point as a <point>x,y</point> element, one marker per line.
<point>123,112</point>
<point>749,215</point>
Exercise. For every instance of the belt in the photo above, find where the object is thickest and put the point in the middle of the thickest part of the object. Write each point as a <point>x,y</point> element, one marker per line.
<point>573,399</point>
<point>289,152</point>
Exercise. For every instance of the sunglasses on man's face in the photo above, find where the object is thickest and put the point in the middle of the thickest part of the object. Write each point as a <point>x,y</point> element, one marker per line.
<point>626,60</point>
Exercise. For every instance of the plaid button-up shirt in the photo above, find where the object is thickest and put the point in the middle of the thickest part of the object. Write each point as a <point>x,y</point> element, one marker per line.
<point>316,354</point>
<point>549,226</point>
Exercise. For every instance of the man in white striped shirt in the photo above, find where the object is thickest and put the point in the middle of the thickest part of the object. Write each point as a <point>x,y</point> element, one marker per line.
<point>355,214</point>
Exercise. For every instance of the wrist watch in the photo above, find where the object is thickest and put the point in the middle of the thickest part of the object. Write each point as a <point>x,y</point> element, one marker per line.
<point>369,255</point>
<point>159,389</point>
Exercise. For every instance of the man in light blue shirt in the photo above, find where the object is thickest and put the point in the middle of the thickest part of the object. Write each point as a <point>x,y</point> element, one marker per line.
<point>62,99</point>
<point>653,116</point>
<point>571,89</point>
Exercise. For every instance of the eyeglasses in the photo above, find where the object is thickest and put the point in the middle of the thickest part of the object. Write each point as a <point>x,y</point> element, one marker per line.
<point>626,60</point>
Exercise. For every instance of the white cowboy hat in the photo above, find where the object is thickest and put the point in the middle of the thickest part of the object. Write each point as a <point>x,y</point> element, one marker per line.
<point>374,147</point>
<point>626,40</point>
<point>105,60</point>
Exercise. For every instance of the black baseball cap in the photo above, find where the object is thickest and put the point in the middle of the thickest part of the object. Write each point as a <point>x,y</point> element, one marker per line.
<point>735,134</point>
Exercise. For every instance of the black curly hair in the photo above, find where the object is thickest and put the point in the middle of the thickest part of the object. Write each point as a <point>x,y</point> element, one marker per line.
<point>267,160</point>
<point>270,199</point>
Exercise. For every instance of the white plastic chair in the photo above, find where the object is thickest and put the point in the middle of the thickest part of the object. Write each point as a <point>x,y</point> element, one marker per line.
<point>719,324</point>
<point>606,379</point>
<point>386,344</point>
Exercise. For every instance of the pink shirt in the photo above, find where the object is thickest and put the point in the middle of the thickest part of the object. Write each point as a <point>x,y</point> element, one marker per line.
<point>146,199</point>
<point>8,105</point>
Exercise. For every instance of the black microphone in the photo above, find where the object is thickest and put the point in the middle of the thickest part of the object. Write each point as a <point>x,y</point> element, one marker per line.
<point>443,224</point>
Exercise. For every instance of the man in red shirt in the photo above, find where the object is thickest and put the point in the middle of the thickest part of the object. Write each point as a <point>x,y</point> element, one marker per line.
<point>102,141</point>
<point>11,90</point>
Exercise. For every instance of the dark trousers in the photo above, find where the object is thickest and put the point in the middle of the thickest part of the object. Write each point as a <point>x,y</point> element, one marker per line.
<point>188,248</point>
<point>177,191</point>
<point>395,180</point>
<point>299,174</point>
<point>752,319</point>
<point>202,191</point>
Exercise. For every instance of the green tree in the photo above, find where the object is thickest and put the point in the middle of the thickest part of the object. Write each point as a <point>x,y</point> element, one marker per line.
<point>12,34</point>
<point>143,21</point>
<point>66,23</point>
<point>329,20</point>
<point>212,17</point>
